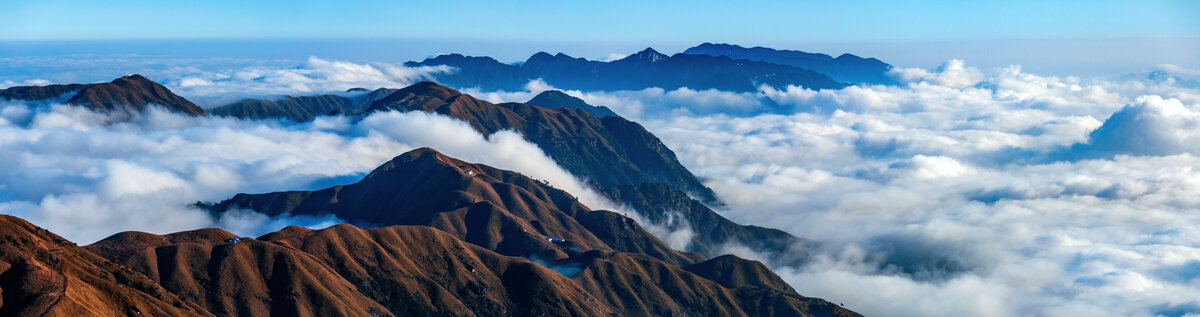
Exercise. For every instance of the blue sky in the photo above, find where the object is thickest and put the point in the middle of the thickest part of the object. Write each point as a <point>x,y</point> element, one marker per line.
<point>1057,37</point>
<point>754,21</point>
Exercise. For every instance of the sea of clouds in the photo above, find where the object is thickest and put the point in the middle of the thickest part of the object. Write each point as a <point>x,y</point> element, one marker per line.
<point>960,192</point>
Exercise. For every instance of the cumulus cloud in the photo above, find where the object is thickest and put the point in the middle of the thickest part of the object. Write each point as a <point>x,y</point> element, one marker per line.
<point>313,76</point>
<point>79,174</point>
<point>1150,126</point>
<point>29,82</point>
<point>953,73</point>
<point>612,57</point>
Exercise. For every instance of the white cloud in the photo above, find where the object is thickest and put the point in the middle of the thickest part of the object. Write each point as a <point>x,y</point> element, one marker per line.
<point>31,82</point>
<point>313,76</point>
<point>940,197</point>
<point>1150,126</point>
<point>943,197</point>
<point>612,57</point>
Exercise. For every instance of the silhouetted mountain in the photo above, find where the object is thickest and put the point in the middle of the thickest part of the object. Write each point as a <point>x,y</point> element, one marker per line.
<point>662,204</point>
<point>477,71</point>
<point>551,99</point>
<point>301,109</point>
<point>129,93</point>
<point>845,68</point>
<point>644,69</point>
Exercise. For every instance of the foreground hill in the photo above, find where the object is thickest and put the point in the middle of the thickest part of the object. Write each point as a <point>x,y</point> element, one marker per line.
<point>640,70</point>
<point>348,271</point>
<point>130,93</point>
<point>42,274</point>
<point>845,68</point>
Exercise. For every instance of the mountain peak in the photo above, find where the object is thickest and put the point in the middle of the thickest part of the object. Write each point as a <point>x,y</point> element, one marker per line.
<point>134,77</point>
<point>133,91</point>
<point>648,55</point>
<point>552,99</point>
<point>128,93</point>
<point>419,153</point>
<point>428,88</point>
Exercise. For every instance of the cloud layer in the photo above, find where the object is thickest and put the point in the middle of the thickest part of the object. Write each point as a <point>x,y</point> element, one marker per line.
<point>967,192</point>
<point>962,191</point>
<point>69,171</point>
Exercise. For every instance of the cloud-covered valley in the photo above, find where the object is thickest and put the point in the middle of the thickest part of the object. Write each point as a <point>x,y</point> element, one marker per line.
<point>969,192</point>
<point>963,191</point>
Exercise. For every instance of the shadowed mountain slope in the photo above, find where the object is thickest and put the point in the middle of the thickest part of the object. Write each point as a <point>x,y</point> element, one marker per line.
<point>733,272</point>
<point>300,109</point>
<point>129,93</point>
<point>662,204</point>
<point>551,99</point>
<point>845,68</point>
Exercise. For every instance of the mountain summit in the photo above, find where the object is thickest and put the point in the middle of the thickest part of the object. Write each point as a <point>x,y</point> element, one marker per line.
<point>551,99</point>
<point>648,55</point>
<point>129,93</point>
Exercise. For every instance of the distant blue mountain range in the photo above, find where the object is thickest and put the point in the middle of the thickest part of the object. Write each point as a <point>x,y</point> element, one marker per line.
<point>701,67</point>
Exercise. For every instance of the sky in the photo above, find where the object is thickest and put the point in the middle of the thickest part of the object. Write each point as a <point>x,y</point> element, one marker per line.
<point>1059,37</point>
<point>614,21</point>
<point>1036,158</point>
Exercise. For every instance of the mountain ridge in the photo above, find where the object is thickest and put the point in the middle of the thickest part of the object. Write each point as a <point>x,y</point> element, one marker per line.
<point>348,271</point>
<point>130,93</point>
<point>645,69</point>
<point>846,67</point>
